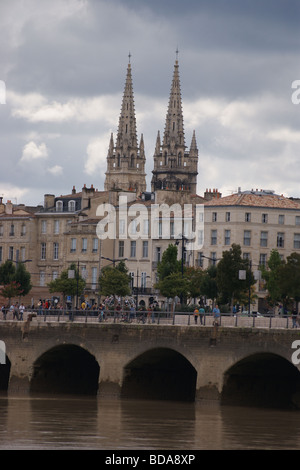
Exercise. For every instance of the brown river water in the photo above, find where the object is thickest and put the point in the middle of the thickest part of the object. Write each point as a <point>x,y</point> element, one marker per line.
<point>91,423</point>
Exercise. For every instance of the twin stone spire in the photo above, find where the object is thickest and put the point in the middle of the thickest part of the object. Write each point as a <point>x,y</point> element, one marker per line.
<point>174,169</point>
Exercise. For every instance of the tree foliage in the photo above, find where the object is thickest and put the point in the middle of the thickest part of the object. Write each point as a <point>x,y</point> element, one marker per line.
<point>23,278</point>
<point>169,263</point>
<point>230,287</point>
<point>15,280</point>
<point>272,274</point>
<point>66,285</point>
<point>209,286</point>
<point>171,282</point>
<point>289,278</point>
<point>174,285</point>
<point>115,280</point>
<point>11,289</point>
<point>194,277</point>
<point>7,272</point>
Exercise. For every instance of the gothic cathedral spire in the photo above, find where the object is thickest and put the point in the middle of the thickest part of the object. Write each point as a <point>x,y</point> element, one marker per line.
<point>126,160</point>
<point>174,167</point>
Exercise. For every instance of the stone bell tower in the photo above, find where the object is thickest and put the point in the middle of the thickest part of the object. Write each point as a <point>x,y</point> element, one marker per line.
<point>126,159</point>
<point>175,168</point>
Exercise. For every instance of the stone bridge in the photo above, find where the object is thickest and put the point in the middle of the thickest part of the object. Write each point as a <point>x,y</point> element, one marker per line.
<point>193,363</point>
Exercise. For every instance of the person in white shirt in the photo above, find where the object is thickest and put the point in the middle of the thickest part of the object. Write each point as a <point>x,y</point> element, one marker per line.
<point>21,311</point>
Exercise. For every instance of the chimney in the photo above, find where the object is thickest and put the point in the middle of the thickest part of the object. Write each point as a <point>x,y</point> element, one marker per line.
<point>8,208</point>
<point>48,201</point>
<point>212,194</point>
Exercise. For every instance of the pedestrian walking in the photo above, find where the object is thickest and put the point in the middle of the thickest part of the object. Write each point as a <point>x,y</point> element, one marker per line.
<point>101,317</point>
<point>40,307</point>
<point>132,313</point>
<point>16,311</point>
<point>216,314</point>
<point>4,311</point>
<point>294,318</point>
<point>201,314</point>
<point>196,315</point>
<point>21,310</point>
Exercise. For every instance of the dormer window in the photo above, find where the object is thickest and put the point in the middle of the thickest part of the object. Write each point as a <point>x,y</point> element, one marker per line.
<point>59,206</point>
<point>71,206</point>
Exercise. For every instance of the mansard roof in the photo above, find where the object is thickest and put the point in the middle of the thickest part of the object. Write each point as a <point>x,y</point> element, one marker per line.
<point>266,199</point>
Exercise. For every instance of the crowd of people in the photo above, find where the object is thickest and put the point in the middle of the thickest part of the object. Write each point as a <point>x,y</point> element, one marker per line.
<point>199,313</point>
<point>16,310</point>
<point>122,311</point>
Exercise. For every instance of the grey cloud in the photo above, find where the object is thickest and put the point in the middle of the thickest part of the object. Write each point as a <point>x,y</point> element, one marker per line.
<point>229,51</point>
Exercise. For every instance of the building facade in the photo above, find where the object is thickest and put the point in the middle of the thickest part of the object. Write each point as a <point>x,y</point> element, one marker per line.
<point>65,230</point>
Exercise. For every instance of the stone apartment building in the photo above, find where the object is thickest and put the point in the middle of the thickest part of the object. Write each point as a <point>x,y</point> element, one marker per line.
<point>65,229</point>
<point>258,221</point>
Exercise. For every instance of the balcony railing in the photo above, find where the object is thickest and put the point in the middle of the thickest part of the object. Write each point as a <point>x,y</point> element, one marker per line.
<point>142,290</point>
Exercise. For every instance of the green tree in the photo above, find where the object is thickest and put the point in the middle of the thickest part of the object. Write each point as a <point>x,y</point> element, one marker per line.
<point>272,276</point>
<point>23,278</point>
<point>230,287</point>
<point>11,289</point>
<point>171,283</point>
<point>68,285</point>
<point>169,263</point>
<point>194,277</point>
<point>174,285</point>
<point>289,278</point>
<point>115,280</point>
<point>16,281</point>
<point>209,286</point>
<point>7,272</point>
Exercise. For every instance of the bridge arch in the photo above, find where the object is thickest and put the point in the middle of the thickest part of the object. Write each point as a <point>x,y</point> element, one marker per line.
<point>65,368</point>
<point>160,373</point>
<point>263,379</point>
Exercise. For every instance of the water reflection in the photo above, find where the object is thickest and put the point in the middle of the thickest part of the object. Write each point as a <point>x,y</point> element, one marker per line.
<point>93,423</point>
<point>64,422</point>
<point>157,424</point>
<point>256,428</point>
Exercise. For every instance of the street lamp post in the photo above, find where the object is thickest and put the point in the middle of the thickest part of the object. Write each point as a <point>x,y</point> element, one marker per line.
<point>71,275</point>
<point>249,292</point>
<point>77,285</point>
<point>22,262</point>
<point>209,258</point>
<point>256,278</point>
<point>114,260</point>
<point>137,290</point>
<point>183,240</point>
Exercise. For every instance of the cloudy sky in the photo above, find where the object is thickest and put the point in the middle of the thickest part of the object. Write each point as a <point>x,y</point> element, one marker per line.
<point>64,62</point>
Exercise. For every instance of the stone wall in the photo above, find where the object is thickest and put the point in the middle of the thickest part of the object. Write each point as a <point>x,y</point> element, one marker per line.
<point>211,352</point>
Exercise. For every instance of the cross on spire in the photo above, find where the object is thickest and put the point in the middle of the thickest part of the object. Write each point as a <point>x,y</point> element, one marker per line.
<point>129,56</point>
